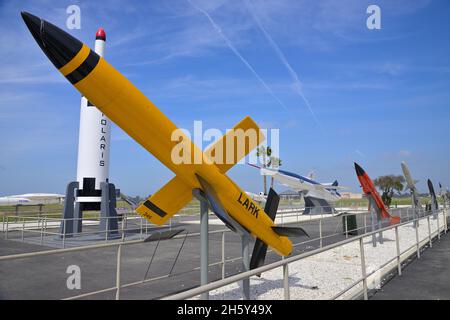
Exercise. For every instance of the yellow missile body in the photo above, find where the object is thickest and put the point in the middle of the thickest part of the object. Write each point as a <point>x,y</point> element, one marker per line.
<point>127,107</point>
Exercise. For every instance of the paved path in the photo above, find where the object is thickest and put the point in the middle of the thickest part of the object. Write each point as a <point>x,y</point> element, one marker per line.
<point>427,278</point>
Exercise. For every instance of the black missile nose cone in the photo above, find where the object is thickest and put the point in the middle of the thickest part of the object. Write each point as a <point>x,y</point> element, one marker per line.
<point>359,171</point>
<point>59,46</point>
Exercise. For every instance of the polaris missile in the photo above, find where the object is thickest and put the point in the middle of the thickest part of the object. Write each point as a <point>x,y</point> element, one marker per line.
<point>125,105</point>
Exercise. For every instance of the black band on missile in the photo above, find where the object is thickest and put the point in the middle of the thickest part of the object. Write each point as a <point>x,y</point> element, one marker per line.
<point>150,205</point>
<point>84,69</point>
<point>100,38</point>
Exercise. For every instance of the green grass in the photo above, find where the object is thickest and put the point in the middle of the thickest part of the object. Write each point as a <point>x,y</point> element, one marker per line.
<point>192,208</point>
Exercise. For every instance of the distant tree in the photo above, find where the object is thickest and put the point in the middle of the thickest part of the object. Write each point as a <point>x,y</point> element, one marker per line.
<point>389,185</point>
<point>264,153</point>
<point>267,161</point>
<point>274,163</point>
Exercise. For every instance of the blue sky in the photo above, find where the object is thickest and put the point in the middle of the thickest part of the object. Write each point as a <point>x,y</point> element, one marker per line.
<point>378,96</point>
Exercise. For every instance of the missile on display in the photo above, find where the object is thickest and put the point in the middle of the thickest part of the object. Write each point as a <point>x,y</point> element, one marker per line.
<point>32,199</point>
<point>93,145</point>
<point>127,107</point>
<point>374,198</point>
<point>411,184</point>
<point>434,203</point>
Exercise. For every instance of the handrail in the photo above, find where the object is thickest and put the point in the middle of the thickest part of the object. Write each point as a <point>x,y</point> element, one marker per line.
<point>246,274</point>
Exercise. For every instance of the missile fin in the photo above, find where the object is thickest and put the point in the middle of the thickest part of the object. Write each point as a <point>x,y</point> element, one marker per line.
<point>260,248</point>
<point>170,199</point>
<point>218,151</point>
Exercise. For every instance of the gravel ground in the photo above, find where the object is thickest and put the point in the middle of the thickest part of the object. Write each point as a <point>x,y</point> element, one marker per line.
<point>326,274</point>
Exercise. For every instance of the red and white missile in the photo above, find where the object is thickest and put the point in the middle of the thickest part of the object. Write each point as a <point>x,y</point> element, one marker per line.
<point>93,143</point>
<point>372,194</point>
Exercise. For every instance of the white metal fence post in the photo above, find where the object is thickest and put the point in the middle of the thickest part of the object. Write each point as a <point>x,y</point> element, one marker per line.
<point>363,267</point>
<point>223,254</point>
<point>438,227</point>
<point>417,243</point>
<point>429,232</point>
<point>23,227</point>
<point>119,261</point>
<point>287,295</point>
<point>397,244</point>
<point>320,232</point>
<point>7,227</point>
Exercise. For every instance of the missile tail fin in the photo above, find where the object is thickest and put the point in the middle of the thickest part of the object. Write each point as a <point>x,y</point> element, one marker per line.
<point>260,248</point>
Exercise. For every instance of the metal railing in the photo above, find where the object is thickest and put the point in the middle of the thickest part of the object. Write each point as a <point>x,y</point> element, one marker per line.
<point>285,263</point>
<point>222,263</point>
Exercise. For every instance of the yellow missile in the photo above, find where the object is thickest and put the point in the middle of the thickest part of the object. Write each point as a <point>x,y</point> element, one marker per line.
<point>126,106</point>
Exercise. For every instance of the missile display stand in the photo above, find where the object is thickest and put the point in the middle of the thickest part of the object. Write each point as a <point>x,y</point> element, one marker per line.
<point>376,223</point>
<point>204,239</point>
<point>204,246</point>
<point>416,210</point>
<point>72,220</point>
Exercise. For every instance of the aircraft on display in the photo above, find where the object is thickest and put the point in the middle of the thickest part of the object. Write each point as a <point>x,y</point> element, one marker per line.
<point>411,184</point>
<point>32,199</point>
<point>318,196</point>
<point>371,193</point>
<point>126,106</point>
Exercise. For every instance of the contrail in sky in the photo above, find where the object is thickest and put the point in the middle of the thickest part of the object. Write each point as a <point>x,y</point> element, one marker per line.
<point>236,52</point>
<point>282,57</point>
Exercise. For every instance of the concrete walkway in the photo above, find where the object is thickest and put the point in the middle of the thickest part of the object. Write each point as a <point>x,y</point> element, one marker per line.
<point>427,278</point>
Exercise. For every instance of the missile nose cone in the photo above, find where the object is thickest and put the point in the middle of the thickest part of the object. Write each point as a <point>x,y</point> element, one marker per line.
<point>30,20</point>
<point>59,46</point>
<point>359,171</point>
<point>101,34</point>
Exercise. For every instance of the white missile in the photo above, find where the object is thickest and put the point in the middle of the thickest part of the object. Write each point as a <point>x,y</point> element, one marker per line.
<point>409,180</point>
<point>94,142</point>
<point>411,184</point>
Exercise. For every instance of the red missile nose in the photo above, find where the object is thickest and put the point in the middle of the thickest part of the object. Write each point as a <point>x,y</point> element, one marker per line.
<point>101,35</point>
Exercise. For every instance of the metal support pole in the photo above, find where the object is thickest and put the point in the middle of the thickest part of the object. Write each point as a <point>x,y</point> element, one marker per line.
<point>42,234</point>
<point>438,227</point>
<point>320,232</point>
<point>287,295</point>
<point>223,255</point>
<point>346,227</point>
<point>429,232</point>
<point>119,260</point>
<point>363,267</point>
<point>204,247</point>
<point>7,227</point>
<point>397,244</point>
<point>444,215</point>
<point>417,243</point>
<point>23,227</point>
<point>365,222</point>
<point>380,235</point>
<point>245,267</point>
<point>374,236</point>
<point>64,233</point>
